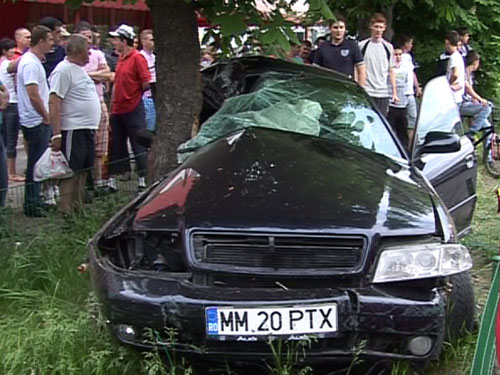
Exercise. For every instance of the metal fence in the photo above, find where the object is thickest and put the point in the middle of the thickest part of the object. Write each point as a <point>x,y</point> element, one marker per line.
<point>14,221</point>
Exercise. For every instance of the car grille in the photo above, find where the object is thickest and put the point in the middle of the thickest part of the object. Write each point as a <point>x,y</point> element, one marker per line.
<point>279,251</point>
<point>268,282</point>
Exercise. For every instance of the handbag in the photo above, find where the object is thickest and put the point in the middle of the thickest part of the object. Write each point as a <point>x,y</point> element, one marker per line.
<point>52,165</point>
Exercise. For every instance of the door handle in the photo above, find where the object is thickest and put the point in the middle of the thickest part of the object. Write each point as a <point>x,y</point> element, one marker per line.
<point>469,161</point>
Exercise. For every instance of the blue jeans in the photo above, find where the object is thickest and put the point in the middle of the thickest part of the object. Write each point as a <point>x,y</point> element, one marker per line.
<point>10,129</point>
<point>479,112</point>
<point>38,139</point>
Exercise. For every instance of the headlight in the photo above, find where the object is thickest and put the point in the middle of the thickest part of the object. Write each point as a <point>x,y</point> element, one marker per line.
<point>421,261</point>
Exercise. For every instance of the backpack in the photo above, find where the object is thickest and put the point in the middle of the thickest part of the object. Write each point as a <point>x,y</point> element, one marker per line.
<point>387,50</point>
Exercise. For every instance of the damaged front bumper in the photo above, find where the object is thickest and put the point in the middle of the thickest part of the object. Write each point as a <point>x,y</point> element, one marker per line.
<point>381,323</point>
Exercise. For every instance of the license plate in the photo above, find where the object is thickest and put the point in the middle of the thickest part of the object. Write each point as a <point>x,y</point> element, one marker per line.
<point>271,321</point>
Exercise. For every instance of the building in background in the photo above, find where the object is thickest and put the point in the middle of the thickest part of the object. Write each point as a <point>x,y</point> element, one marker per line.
<point>103,13</point>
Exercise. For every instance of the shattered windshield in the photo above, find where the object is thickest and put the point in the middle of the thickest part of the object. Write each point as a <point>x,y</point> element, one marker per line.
<point>314,106</point>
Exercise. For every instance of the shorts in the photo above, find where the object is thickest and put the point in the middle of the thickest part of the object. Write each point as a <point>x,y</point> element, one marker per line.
<point>79,148</point>
<point>102,133</point>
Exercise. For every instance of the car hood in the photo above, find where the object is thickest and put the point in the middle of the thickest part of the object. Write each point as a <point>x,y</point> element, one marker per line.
<point>261,179</point>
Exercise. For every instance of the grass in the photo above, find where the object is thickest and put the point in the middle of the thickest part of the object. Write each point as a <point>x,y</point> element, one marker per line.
<point>50,321</point>
<point>483,243</point>
<point>49,317</point>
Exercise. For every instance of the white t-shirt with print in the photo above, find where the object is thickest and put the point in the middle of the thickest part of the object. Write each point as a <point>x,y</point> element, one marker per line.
<point>80,107</point>
<point>456,60</point>
<point>30,71</point>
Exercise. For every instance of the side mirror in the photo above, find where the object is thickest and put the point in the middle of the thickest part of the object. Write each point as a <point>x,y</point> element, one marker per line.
<point>440,143</point>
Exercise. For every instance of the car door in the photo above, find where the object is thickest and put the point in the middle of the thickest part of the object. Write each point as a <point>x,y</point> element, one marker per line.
<point>452,174</point>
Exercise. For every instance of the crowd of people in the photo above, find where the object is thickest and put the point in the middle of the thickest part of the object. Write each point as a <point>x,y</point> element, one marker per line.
<point>387,71</point>
<point>61,90</point>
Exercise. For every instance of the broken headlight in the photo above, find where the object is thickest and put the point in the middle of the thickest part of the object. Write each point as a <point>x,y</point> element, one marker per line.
<point>421,261</point>
<point>153,251</point>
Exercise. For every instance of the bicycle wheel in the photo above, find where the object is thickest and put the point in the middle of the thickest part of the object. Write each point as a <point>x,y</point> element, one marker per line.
<point>491,156</point>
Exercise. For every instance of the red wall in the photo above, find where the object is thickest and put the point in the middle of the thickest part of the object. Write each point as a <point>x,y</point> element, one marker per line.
<point>28,14</point>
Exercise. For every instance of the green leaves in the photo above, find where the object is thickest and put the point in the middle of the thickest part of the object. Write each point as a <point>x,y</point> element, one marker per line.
<point>269,25</point>
<point>231,24</point>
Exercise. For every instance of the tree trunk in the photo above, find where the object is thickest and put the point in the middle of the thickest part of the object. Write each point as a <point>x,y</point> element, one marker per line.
<point>389,13</point>
<point>178,96</point>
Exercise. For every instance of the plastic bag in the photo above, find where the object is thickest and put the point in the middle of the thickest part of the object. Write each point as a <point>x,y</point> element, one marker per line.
<point>51,165</point>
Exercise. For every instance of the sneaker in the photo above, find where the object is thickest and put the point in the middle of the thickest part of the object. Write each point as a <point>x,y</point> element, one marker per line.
<point>142,183</point>
<point>51,201</point>
<point>112,185</point>
<point>49,196</point>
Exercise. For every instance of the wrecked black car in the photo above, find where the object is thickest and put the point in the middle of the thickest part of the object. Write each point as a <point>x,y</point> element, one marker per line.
<point>296,213</point>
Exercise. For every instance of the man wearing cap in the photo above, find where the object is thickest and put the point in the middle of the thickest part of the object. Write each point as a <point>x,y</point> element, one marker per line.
<point>127,111</point>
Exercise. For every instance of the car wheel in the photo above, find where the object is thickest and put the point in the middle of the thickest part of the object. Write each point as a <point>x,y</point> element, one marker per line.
<point>460,307</point>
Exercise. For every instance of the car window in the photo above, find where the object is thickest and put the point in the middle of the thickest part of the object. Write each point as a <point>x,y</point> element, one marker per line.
<point>438,110</point>
<point>314,106</point>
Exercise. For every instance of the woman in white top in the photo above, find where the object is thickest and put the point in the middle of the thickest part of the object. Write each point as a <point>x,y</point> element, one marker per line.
<point>10,128</point>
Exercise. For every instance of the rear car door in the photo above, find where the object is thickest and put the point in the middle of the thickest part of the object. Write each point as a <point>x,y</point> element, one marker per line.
<point>452,174</point>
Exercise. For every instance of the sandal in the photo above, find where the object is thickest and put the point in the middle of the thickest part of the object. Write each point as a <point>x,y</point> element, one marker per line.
<point>16,178</point>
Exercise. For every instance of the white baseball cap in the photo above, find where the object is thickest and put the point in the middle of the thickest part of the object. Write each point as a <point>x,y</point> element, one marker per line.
<point>124,31</point>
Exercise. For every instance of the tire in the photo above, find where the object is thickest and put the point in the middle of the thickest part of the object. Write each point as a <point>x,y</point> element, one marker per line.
<point>492,162</point>
<point>460,309</point>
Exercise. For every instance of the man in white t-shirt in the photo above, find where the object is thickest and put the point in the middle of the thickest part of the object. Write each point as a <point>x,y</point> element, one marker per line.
<point>148,51</point>
<point>379,59</point>
<point>455,72</point>
<point>149,96</point>
<point>413,87</point>
<point>75,112</point>
<point>33,100</point>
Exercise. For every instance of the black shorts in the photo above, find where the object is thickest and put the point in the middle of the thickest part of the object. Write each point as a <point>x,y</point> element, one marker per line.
<point>79,148</point>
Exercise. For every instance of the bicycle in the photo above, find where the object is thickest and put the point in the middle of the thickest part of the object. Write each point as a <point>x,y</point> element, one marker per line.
<point>491,145</point>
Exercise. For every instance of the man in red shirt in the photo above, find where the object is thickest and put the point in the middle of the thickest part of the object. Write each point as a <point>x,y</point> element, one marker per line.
<point>127,111</point>
<point>23,40</point>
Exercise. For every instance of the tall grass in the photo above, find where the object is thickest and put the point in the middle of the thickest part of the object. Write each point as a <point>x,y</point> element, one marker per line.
<point>49,320</point>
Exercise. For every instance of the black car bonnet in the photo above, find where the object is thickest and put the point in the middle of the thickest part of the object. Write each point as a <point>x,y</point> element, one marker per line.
<point>263,178</point>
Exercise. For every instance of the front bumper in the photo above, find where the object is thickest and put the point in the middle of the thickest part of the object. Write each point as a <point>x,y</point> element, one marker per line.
<point>379,322</point>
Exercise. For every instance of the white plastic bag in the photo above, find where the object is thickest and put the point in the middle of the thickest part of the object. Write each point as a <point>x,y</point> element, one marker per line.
<point>51,165</point>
